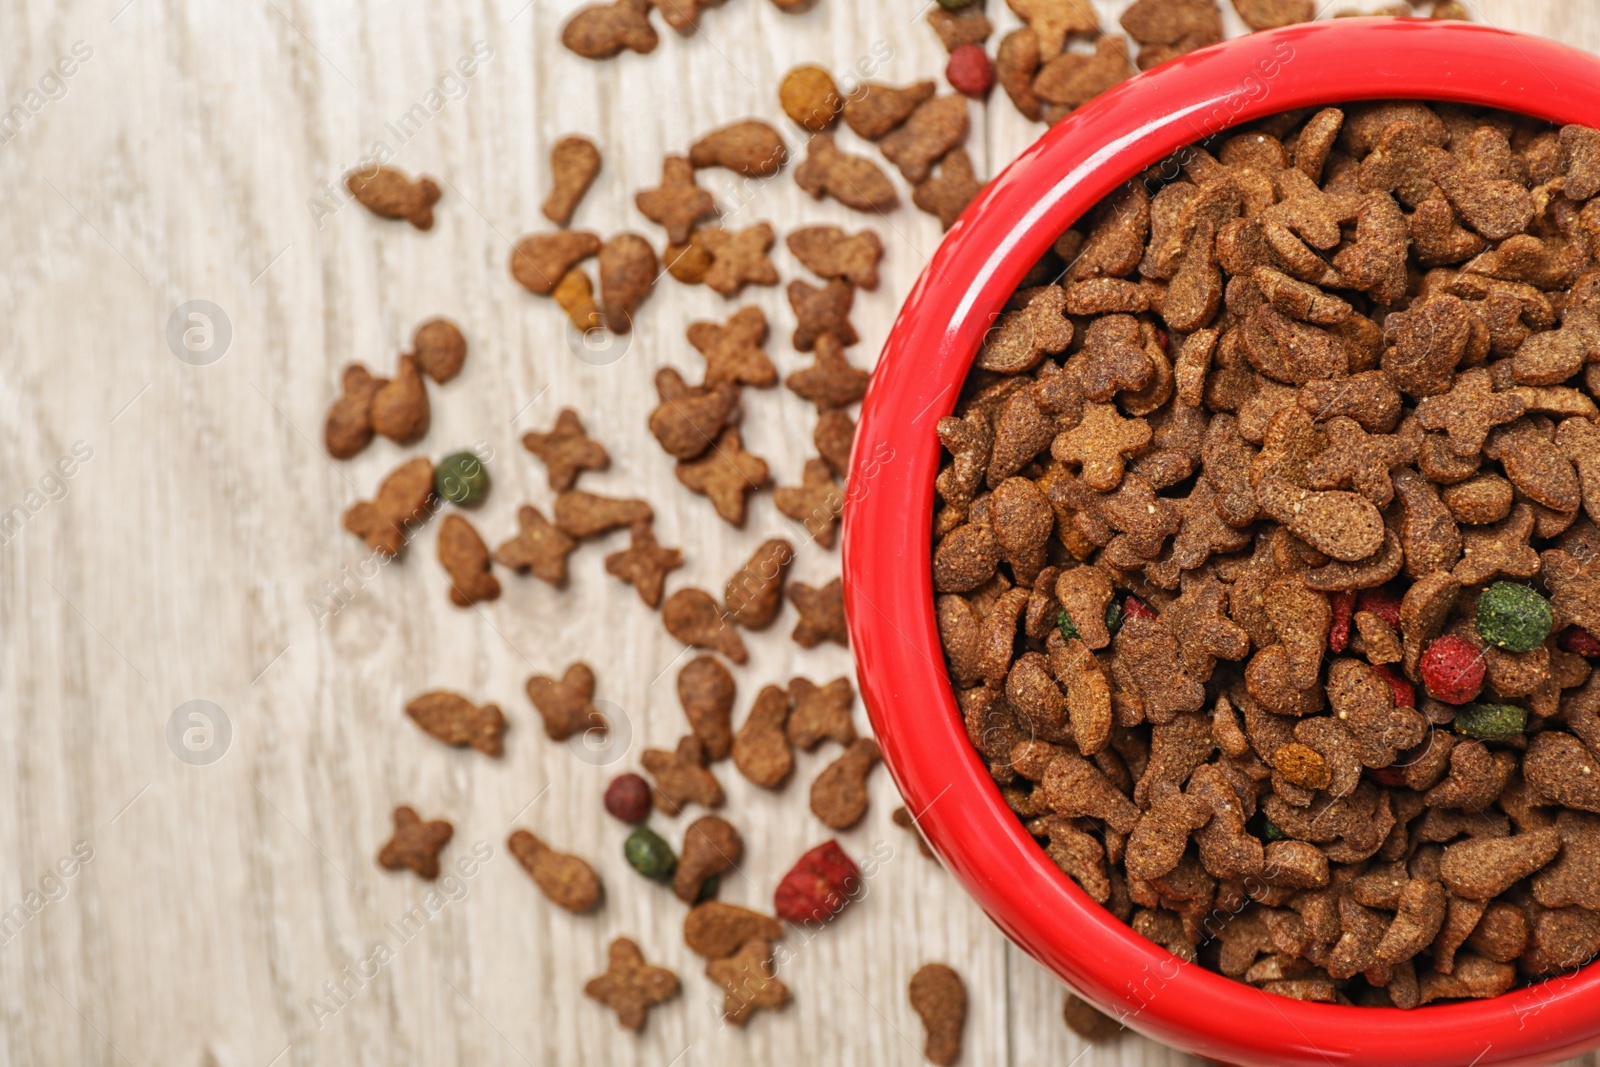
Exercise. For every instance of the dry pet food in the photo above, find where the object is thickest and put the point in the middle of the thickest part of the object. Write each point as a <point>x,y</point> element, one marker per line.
<point>839,795</point>
<point>415,845</point>
<point>400,409</point>
<point>574,162</point>
<point>566,705</point>
<point>715,930</point>
<point>710,846</point>
<point>818,886</point>
<point>749,979</point>
<point>600,31</point>
<point>645,564</point>
<point>388,521</point>
<point>750,147</point>
<point>939,997</point>
<point>706,691</point>
<point>821,614</point>
<point>455,720</point>
<point>389,194</point>
<point>627,798</point>
<point>677,203</point>
<point>539,547</point>
<point>694,617</point>
<point>568,881</point>
<point>809,96</point>
<point>630,986</point>
<point>1264,561</point>
<point>466,560</point>
<point>829,252</point>
<point>681,776</point>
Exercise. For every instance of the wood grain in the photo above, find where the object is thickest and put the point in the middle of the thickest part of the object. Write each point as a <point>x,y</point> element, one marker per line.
<point>195,154</point>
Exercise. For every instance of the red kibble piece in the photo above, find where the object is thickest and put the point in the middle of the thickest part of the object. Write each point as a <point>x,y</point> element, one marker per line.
<point>1579,642</point>
<point>1405,694</point>
<point>818,886</point>
<point>970,71</point>
<point>1452,670</point>
<point>1392,777</point>
<point>1382,602</point>
<point>628,798</point>
<point>1134,608</point>
<point>1344,606</point>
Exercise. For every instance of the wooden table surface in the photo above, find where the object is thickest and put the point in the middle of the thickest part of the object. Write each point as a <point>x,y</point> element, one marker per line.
<point>172,911</point>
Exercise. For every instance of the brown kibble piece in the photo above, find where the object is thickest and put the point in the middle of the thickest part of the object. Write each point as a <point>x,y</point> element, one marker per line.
<point>1053,21</point>
<point>689,418</point>
<point>939,998</point>
<point>1072,79</point>
<point>809,96</point>
<point>389,194</point>
<point>946,195</point>
<point>693,617</point>
<point>1270,14</point>
<point>681,776</point>
<point>726,475</point>
<point>415,845</point>
<point>874,110</point>
<point>828,252</point>
<point>820,713</point>
<point>738,257</point>
<point>348,428</point>
<point>677,203</point>
<point>710,846</point>
<point>1021,338</point>
<point>644,564</point>
<point>402,504</point>
<point>831,382</point>
<point>566,706</point>
<point>956,28</point>
<point>761,748</point>
<point>539,546</point>
<point>817,502</point>
<point>628,271</point>
<point>455,720</point>
<point>750,147</point>
<point>839,795</point>
<point>855,181</point>
<point>733,352</point>
<point>824,311</point>
<point>574,162</point>
<point>933,129</point>
<point>754,593</point>
<point>581,514</point>
<point>566,450</point>
<point>568,881</point>
<point>540,260</point>
<point>1016,63</point>
<point>714,930</point>
<point>1485,867</point>
<point>833,438</point>
<point>466,560</point>
<point>1100,443</point>
<point>749,980</point>
<point>630,986</point>
<point>706,691</point>
<point>1089,1022</point>
<point>821,614</point>
<point>400,406</point>
<point>440,349</point>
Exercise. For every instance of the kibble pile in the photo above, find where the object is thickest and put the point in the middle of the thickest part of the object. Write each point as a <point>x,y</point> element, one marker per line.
<point>1267,566</point>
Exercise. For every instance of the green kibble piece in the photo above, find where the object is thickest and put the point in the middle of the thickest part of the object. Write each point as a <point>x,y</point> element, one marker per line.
<point>1113,618</point>
<point>649,854</point>
<point>955,5</point>
<point>461,478</point>
<point>1491,722</point>
<point>1272,831</point>
<point>1513,617</point>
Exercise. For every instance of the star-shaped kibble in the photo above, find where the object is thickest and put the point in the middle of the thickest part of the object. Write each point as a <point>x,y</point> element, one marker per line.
<point>1574,584</point>
<point>1099,444</point>
<point>738,257</point>
<point>733,352</point>
<point>1500,549</point>
<point>415,845</point>
<point>644,564</point>
<point>726,474</point>
<point>1112,358</point>
<point>566,450</point>
<point>681,776</point>
<point>1579,440</point>
<point>1143,522</point>
<point>567,705</point>
<point>677,203</point>
<point>1022,336</point>
<point>817,503</point>
<point>831,382</point>
<point>630,986</point>
<point>539,546</point>
<point>1469,411</point>
<point>821,614</point>
<point>749,981</point>
<point>823,311</point>
<point>1203,533</point>
<point>1355,459</point>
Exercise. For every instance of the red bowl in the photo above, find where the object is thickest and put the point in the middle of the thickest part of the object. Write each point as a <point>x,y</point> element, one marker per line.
<point>888,584</point>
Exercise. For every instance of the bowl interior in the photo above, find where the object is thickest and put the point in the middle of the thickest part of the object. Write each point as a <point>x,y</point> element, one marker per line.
<point>888,585</point>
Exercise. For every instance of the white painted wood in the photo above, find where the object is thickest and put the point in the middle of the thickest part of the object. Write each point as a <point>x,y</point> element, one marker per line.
<point>179,161</point>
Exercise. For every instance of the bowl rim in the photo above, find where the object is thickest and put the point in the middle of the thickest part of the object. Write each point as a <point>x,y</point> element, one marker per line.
<point>888,585</point>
